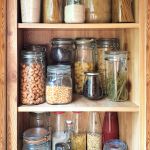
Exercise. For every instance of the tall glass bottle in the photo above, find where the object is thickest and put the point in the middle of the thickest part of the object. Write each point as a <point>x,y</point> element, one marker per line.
<point>94,134</point>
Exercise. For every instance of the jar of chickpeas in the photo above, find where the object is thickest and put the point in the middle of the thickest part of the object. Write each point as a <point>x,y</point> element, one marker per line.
<point>84,61</point>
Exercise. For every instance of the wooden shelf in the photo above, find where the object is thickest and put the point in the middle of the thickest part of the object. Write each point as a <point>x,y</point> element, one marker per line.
<point>77,26</point>
<point>82,104</point>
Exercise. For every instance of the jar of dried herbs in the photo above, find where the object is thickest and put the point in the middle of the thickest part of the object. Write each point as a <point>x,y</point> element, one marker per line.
<point>116,75</point>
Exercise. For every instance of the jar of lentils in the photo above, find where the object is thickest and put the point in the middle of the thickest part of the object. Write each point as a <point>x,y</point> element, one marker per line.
<point>59,84</point>
<point>32,72</point>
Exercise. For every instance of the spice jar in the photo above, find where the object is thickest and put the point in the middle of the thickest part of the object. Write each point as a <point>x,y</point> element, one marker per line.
<point>30,11</point>
<point>98,11</point>
<point>94,135</point>
<point>74,11</point>
<point>84,62</point>
<point>103,45</point>
<point>116,74</point>
<point>36,138</point>
<point>52,11</point>
<point>59,84</point>
<point>32,76</point>
<point>62,51</point>
<point>122,11</point>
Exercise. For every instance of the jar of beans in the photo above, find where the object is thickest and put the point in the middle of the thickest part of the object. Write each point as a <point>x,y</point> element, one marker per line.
<point>59,84</point>
<point>32,72</point>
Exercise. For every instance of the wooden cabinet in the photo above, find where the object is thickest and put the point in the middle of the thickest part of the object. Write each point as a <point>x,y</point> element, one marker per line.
<point>132,114</point>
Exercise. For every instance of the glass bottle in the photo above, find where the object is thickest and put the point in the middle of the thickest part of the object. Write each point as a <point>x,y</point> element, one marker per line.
<point>110,129</point>
<point>78,139</point>
<point>94,134</point>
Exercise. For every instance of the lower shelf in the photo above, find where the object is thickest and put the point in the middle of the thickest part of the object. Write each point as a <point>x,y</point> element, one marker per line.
<point>82,104</point>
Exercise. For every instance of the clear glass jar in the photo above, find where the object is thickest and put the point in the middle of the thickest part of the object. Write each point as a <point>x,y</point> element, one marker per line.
<point>94,134</point>
<point>103,45</point>
<point>62,50</point>
<point>53,11</point>
<point>84,62</point>
<point>116,74</point>
<point>36,139</point>
<point>74,11</point>
<point>59,84</point>
<point>32,73</point>
<point>98,11</point>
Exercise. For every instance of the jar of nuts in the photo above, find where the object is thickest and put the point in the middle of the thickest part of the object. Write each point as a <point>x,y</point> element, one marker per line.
<point>32,72</point>
<point>59,84</point>
<point>84,62</point>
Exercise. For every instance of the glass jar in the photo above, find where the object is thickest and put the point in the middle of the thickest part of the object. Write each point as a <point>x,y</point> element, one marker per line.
<point>94,134</point>
<point>122,11</point>
<point>74,11</point>
<point>36,138</point>
<point>78,139</point>
<point>32,72</point>
<point>98,11</point>
<point>103,45</point>
<point>62,51</point>
<point>59,84</point>
<point>116,75</point>
<point>53,11</point>
<point>84,62</point>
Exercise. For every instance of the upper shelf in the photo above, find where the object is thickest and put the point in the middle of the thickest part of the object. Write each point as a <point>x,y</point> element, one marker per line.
<point>77,26</point>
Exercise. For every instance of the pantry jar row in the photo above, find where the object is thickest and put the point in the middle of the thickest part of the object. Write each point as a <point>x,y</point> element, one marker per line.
<point>71,134</point>
<point>76,11</point>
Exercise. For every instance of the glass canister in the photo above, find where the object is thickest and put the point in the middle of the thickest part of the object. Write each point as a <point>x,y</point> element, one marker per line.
<point>84,62</point>
<point>74,11</point>
<point>98,11</point>
<point>116,75</point>
<point>59,84</point>
<point>94,135</point>
<point>62,50</point>
<point>36,139</point>
<point>53,11</point>
<point>32,73</point>
<point>104,45</point>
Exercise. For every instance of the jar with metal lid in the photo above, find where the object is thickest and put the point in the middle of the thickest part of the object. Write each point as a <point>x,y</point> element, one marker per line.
<point>62,50</point>
<point>59,84</point>
<point>116,75</point>
<point>36,139</point>
<point>32,73</point>
<point>103,45</point>
<point>84,62</point>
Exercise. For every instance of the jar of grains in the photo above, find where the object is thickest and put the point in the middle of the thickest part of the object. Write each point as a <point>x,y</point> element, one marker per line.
<point>59,84</point>
<point>52,11</point>
<point>103,45</point>
<point>84,62</point>
<point>32,76</point>
<point>74,11</point>
<point>98,11</point>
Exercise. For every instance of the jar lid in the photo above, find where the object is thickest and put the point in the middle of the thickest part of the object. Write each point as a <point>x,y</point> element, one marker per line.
<point>84,41</point>
<point>34,47</point>
<point>59,41</point>
<point>92,73</point>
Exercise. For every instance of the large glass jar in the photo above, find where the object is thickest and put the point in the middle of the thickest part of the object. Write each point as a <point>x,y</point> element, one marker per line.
<point>84,62</point>
<point>74,11</point>
<point>32,73</point>
<point>52,11</point>
<point>59,84</point>
<point>98,11</point>
<point>116,74</point>
<point>62,51</point>
<point>36,139</point>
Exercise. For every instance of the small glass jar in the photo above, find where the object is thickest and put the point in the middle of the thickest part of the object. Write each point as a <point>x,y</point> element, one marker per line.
<point>98,11</point>
<point>36,139</point>
<point>32,72</point>
<point>59,84</point>
<point>62,51</point>
<point>116,75</point>
<point>53,11</point>
<point>74,11</point>
<point>84,62</point>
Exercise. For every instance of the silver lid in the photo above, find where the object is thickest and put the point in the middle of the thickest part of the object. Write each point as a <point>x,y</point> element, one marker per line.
<point>91,73</point>
<point>84,41</point>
